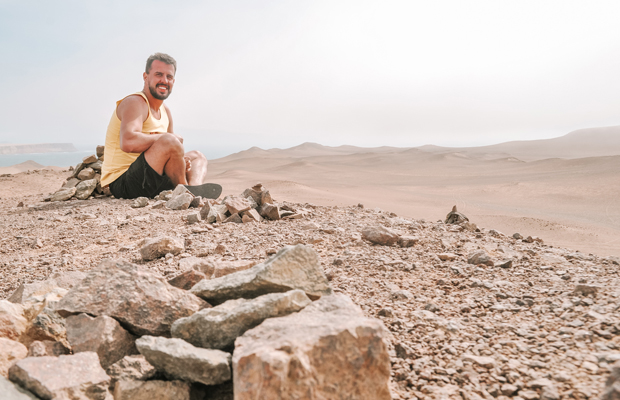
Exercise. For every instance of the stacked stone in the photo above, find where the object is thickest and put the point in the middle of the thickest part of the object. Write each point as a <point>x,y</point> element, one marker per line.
<point>275,327</point>
<point>85,180</point>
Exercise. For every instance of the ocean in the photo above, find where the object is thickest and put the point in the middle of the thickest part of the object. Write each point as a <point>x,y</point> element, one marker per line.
<point>45,159</point>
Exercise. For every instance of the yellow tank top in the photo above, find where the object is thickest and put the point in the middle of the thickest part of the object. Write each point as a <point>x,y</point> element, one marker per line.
<point>115,160</point>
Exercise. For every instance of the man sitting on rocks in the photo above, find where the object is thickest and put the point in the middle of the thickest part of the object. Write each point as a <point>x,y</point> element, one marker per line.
<point>143,156</point>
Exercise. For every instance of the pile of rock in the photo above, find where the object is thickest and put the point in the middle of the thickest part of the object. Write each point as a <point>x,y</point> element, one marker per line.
<point>85,180</point>
<point>275,327</point>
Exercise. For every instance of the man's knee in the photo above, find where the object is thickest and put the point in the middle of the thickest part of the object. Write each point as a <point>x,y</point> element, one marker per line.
<point>196,155</point>
<point>168,143</point>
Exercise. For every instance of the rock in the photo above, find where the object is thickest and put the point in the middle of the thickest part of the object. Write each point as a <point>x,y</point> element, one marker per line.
<point>63,194</point>
<point>532,239</point>
<point>216,213</point>
<point>586,290</point>
<point>71,182</point>
<point>100,150</point>
<point>216,269</point>
<point>455,217</point>
<point>77,376</point>
<point>486,362</point>
<point>85,188</point>
<point>40,348</point>
<point>328,349</point>
<point>401,295</point>
<point>165,195</point>
<point>10,352</point>
<point>180,360</point>
<point>218,327</point>
<point>480,257</point>
<point>265,197</point>
<point>251,216</point>
<point>158,204</point>
<point>508,389</point>
<point>152,390</point>
<point>13,323</point>
<point>103,335</point>
<point>187,279</point>
<point>269,211</point>
<point>197,202</point>
<point>386,312</point>
<point>233,218</point>
<point>447,256</point>
<point>505,263</point>
<point>153,248</point>
<point>293,267</point>
<point>11,391</point>
<point>77,170</point>
<point>89,159</point>
<point>180,202</point>
<point>65,280</point>
<point>255,195</point>
<point>407,241</point>
<point>33,305</point>
<point>517,236</point>
<point>204,211</point>
<point>142,302</point>
<point>48,325</point>
<point>130,368</point>
<point>96,166</point>
<point>612,385</point>
<point>140,202</point>
<point>193,218</point>
<point>379,234</point>
<point>236,205</point>
<point>86,174</point>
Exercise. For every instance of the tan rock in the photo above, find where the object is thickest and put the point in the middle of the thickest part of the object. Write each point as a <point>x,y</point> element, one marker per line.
<point>33,305</point>
<point>233,218</point>
<point>142,301</point>
<point>379,234</point>
<point>100,150</point>
<point>153,248</point>
<point>187,279</point>
<point>328,349</point>
<point>103,335</point>
<point>86,174</point>
<point>65,280</point>
<point>89,159</point>
<point>63,194</point>
<point>407,241</point>
<point>71,183</point>
<point>236,205</point>
<point>13,323</point>
<point>130,368</point>
<point>10,352</point>
<point>269,211</point>
<point>251,216</point>
<point>293,267</point>
<point>180,202</point>
<point>254,194</point>
<point>10,391</point>
<point>152,390</point>
<point>77,376</point>
<point>48,325</point>
<point>218,327</point>
<point>85,188</point>
<point>265,197</point>
<point>41,348</point>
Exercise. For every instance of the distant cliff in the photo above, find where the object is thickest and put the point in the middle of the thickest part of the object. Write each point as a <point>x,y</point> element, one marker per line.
<point>36,148</point>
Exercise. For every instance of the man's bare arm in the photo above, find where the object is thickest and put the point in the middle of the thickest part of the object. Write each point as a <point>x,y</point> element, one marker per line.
<point>132,112</point>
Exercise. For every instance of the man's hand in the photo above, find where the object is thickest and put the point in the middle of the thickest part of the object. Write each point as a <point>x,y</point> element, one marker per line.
<point>188,164</point>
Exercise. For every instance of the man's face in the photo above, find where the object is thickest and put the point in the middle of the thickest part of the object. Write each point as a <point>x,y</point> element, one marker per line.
<point>160,79</point>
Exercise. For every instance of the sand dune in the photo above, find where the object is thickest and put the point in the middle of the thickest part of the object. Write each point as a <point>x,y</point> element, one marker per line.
<point>571,202</point>
<point>22,167</point>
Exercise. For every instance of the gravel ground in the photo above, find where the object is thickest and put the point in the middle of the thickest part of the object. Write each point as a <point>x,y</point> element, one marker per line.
<point>524,321</point>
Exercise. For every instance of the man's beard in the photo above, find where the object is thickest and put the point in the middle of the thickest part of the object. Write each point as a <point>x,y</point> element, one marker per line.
<point>156,94</point>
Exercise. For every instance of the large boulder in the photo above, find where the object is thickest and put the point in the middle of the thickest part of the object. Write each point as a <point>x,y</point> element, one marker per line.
<point>85,188</point>
<point>141,301</point>
<point>218,327</point>
<point>130,368</point>
<point>180,360</point>
<point>65,280</point>
<point>76,376</point>
<point>47,325</point>
<point>103,335</point>
<point>328,349</point>
<point>293,267</point>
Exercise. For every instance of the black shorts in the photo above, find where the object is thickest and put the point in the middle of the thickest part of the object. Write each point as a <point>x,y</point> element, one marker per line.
<point>140,180</point>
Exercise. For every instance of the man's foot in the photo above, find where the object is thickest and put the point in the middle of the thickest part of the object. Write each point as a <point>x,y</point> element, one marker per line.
<point>206,190</point>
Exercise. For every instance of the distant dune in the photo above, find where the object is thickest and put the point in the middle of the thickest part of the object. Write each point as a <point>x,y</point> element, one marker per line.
<point>25,166</point>
<point>36,148</point>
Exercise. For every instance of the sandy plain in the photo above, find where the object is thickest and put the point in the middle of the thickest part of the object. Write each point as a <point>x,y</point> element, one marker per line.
<point>565,190</point>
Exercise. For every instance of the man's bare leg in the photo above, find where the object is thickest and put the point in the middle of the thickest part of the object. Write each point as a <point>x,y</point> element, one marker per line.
<point>165,156</point>
<point>197,175</point>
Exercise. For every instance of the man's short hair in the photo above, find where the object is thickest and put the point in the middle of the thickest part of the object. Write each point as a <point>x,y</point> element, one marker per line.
<point>165,58</point>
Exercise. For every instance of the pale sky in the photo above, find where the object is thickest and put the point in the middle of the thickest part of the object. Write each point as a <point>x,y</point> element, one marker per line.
<point>280,73</point>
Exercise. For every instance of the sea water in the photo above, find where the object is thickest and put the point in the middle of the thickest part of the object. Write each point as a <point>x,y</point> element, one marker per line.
<point>60,159</point>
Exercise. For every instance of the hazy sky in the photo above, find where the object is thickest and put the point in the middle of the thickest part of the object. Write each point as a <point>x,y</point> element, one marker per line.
<point>280,73</point>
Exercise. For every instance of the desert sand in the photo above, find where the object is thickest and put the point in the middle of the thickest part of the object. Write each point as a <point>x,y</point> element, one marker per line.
<point>564,190</point>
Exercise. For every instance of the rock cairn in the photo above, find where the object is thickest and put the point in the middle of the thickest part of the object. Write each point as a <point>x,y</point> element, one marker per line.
<point>122,331</point>
<point>85,180</point>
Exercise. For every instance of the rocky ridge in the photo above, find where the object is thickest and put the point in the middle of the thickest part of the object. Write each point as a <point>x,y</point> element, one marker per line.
<point>471,313</point>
